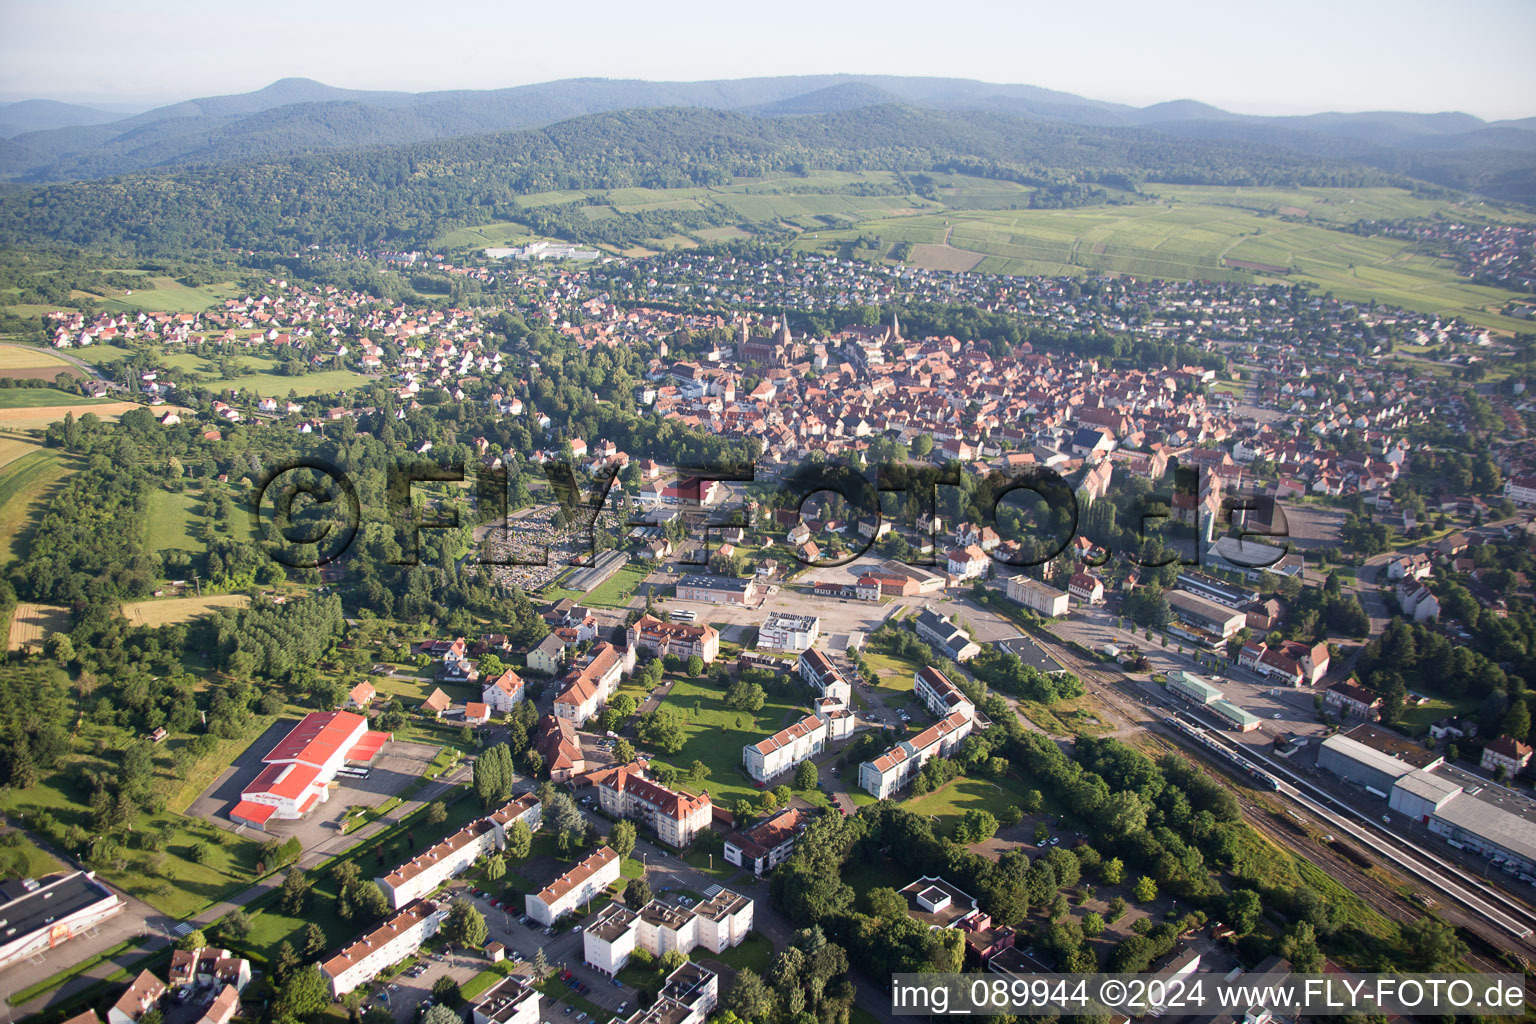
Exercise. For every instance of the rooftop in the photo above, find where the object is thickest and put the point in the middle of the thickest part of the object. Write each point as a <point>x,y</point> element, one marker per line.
<point>584,870</point>
<point>53,899</point>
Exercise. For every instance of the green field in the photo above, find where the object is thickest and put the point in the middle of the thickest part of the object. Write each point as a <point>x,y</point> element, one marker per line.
<point>715,738</point>
<point>1216,234</point>
<point>42,398</point>
<point>24,487</point>
<point>948,804</point>
<point>166,296</point>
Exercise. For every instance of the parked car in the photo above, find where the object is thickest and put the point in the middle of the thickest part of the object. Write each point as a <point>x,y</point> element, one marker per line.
<point>615,982</point>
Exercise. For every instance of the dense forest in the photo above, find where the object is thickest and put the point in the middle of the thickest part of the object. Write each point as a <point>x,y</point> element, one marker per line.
<point>407,195</point>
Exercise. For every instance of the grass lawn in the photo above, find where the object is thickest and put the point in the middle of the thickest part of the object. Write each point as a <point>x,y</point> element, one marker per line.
<point>616,591</point>
<point>172,515</point>
<point>894,675</point>
<point>1075,717</point>
<point>874,874</point>
<point>949,802</point>
<point>755,953</point>
<point>27,357</point>
<point>25,487</point>
<point>1417,718</point>
<point>715,737</point>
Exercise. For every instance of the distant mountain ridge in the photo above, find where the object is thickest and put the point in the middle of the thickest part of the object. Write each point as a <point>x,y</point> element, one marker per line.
<point>296,117</point>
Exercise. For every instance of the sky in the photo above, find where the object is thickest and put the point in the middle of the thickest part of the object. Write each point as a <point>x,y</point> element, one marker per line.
<point>1299,57</point>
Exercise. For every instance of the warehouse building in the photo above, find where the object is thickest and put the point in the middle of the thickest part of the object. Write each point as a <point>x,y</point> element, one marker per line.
<point>1036,596</point>
<point>299,770</point>
<point>1212,589</point>
<point>1205,615</point>
<point>37,917</point>
<point>717,589</point>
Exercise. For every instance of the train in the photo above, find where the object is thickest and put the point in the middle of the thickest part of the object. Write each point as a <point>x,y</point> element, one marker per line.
<point>1191,728</point>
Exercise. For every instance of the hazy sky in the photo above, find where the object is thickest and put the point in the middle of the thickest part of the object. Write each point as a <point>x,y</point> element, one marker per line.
<point>1297,57</point>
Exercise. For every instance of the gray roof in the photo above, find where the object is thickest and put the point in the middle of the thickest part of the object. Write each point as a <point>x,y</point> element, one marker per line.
<point>1356,751</point>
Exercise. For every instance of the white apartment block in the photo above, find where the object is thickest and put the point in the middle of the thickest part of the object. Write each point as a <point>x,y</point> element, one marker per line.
<point>767,844</point>
<point>1036,596</point>
<point>840,720</point>
<point>397,938</point>
<point>939,694</point>
<point>784,632</point>
<point>508,1001</point>
<point>689,997</point>
<point>583,882</point>
<point>674,817</point>
<point>895,768</point>
<point>786,748</point>
<point>820,675</point>
<point>586,690</point>
<point>424,873</point>
<point>717,924</point>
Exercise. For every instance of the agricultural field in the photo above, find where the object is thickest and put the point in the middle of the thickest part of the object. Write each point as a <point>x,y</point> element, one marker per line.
<point>36,398</point>
<point>165,611</point>
<point>165,295</point>
<point>27,480</point>
<point>1210,234</point>
<point>32,623</point>
<point>28,357</point>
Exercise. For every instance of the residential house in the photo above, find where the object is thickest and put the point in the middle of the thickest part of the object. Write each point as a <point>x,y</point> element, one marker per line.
<point>1507,753</point>
<point>767,844</point>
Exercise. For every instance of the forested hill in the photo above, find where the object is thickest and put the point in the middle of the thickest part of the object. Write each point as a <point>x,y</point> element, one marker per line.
<point>406,195</point>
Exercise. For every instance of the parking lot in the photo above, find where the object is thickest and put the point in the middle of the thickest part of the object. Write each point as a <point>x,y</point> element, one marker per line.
<point>394,767</point>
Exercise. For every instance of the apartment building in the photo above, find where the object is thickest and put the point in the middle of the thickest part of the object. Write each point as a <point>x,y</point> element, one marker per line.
<point>781,752</point>
<point>939,694</point>
<point>423,873</point>
<point>503,693</point>
<point>587,689</point>
<point>584,881</point>
<point>716,924</point>
<point>397,938</point>
<point>818,672</point>
<point>678,639</point>
<point>767,844</point>
<point>674,817</point>
<point>689,996</point>
<point>509,1001</point>
<point>895,768</point>
<point>783,632</point>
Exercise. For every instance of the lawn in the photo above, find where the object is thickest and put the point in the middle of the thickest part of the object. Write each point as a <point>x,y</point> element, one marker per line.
<point>716,735</point>
<point>949,802</point>
<point>616,591</point>
<point>1417,718</point>
<point>755,953</point>
<point>172,515</point>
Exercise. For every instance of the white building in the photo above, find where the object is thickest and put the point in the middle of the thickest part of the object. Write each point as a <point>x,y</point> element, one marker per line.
<point>1417,601</point>
<point>588,689</point>
<point>674,817</point>
<point>783,632</point>
<point>503,693</point>
<point>785,749</point>
<point>767,844</point>
<point>144,994</point>
<point>896,767</point>
<point>689,997</point>
<point>424,873</point>
<point>299,770</point>
<point>509,1001</point>
<point>717,924</point>
<point>583,882</point>
<point>939,695</point>
<point>397,938</point>
<point>820,675</point>
<point>41,917</point>
<point>1036,596</point>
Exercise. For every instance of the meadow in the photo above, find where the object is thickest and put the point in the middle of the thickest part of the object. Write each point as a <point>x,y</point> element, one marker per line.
<point>26,484</point>
<point>165,611</point>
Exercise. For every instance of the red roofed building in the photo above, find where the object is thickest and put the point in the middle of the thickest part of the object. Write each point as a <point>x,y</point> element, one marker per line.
<point>300,768</point>
<point>504,692</point>
<point>675,817</point>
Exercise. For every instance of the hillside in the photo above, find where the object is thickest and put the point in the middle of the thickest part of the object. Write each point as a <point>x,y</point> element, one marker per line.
<point>406,195</point>
<point>295,117</point>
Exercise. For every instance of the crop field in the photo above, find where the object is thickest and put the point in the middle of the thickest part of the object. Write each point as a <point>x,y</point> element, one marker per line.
<point>26,484</point>
<point>167,296</point>
<point>1209,234</point>
<point>33,398</point>
<point>28,357</point>
<point>165,611</point>
<point>32,623</point>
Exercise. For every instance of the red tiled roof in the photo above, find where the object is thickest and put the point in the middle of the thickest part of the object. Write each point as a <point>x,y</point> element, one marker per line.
<point>578,874</point>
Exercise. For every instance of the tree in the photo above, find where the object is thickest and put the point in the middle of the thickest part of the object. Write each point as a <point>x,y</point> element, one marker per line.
<point>887,903</point>
<point>236,924</point>
<point>623,751</point>
<point>1146,889</point>
<point>1299,946</point>
<point>519,840</point>
<point>295,892</point>
<point>977,826</point>
<point>533,762</point>
<point>436,813</point>
<point>663,729</point>
<point>465,925</point>
<point>806,776</point>
<point>1112,871</point>
<point>638,893</point>
<point>622,838</point>
<point>750,998</point>
<point>698,771</point>
<point>440,1014</point>
<point>1093,924</point>
<point>495,867</point>
<point>1517,720</point>
<point>195,939</point>
<point>540,964</point>
<point>314,940</point>
<point>1244,910</point>
<point>695,666</point>
<point>304,994</point>
<point>1433,944</point>
<point>446,990</point>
